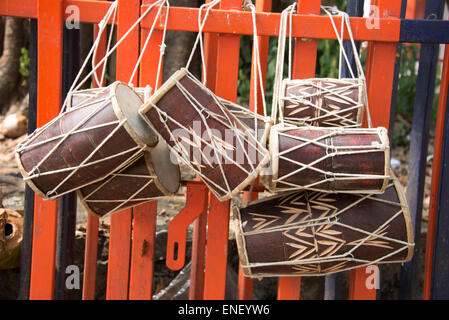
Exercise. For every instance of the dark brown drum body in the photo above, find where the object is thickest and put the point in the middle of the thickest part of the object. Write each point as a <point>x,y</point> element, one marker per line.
<point>93,138</point>
<point>260,125</point>
<point>328,159</point>
<point>151,177</point>
<point>11,234</point>
<point>205,135</point>
<point>309,233</point>
<point>323,102</point>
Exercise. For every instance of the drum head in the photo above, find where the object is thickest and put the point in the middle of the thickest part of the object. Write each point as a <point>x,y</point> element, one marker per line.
<point>126,105</point>
<point>165,169</point>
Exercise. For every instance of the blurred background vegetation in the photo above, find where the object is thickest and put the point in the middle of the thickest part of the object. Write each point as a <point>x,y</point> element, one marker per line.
<point>327,66</point>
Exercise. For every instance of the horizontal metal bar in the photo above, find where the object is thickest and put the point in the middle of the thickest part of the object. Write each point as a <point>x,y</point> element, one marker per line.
<point>424,31</point>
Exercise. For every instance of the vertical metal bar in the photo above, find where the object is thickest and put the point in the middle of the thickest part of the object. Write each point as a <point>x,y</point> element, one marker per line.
<point>379,86</point>
<point>353,9</point>
<point>150,61</point>
<point>65,237</point>
<point>91,246</point>
<point>28,215</point>
<point>419,140</point>
<point>218,220</point>
<point>439,130</point>
<point>304,58</point>
<point>440,267</point>
<point>216,249</point>
<point>49,73</point>
<point>245,284</point>
<point>121,222</point>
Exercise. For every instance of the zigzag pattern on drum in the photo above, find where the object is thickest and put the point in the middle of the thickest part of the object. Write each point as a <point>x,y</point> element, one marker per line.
<point>319,233</point>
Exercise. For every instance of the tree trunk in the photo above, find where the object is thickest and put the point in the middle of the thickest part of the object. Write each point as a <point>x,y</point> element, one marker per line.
<point>10,59</point>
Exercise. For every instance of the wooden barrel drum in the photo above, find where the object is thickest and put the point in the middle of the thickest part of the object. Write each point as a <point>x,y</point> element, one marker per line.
<point>309,233</point>
<point>11,234</point>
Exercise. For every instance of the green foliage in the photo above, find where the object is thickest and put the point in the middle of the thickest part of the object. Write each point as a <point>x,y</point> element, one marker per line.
<point>24,67</point>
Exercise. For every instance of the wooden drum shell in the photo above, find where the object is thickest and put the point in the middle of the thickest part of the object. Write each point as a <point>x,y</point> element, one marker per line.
<point>328,159</point>
<point>323,102</point>
<point>311,233</point>
<point>180,114</point>
<point>99,115</point>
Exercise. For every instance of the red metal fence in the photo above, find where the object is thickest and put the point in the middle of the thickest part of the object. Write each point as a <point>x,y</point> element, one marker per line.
<point>130,268</point>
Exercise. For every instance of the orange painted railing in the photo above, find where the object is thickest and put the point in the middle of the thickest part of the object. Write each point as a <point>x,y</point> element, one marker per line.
<point>131,246</point>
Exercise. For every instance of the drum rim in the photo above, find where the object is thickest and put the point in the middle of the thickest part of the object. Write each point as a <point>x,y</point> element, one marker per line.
<point>166,86</point>
<point>241,242</point>
<point>250,178</point>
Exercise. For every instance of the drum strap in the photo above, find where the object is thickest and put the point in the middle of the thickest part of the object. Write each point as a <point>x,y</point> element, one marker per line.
<point>199,38</point>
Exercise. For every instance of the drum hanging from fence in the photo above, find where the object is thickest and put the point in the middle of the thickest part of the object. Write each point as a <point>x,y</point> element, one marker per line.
<point>152,176</point>
<point>321,102</point>
<point>327,159</point>
<point>324,102</point>
<point>11,234</point>
<point>85,143</point>
<point>309,233</point>
<point>205,135</point>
